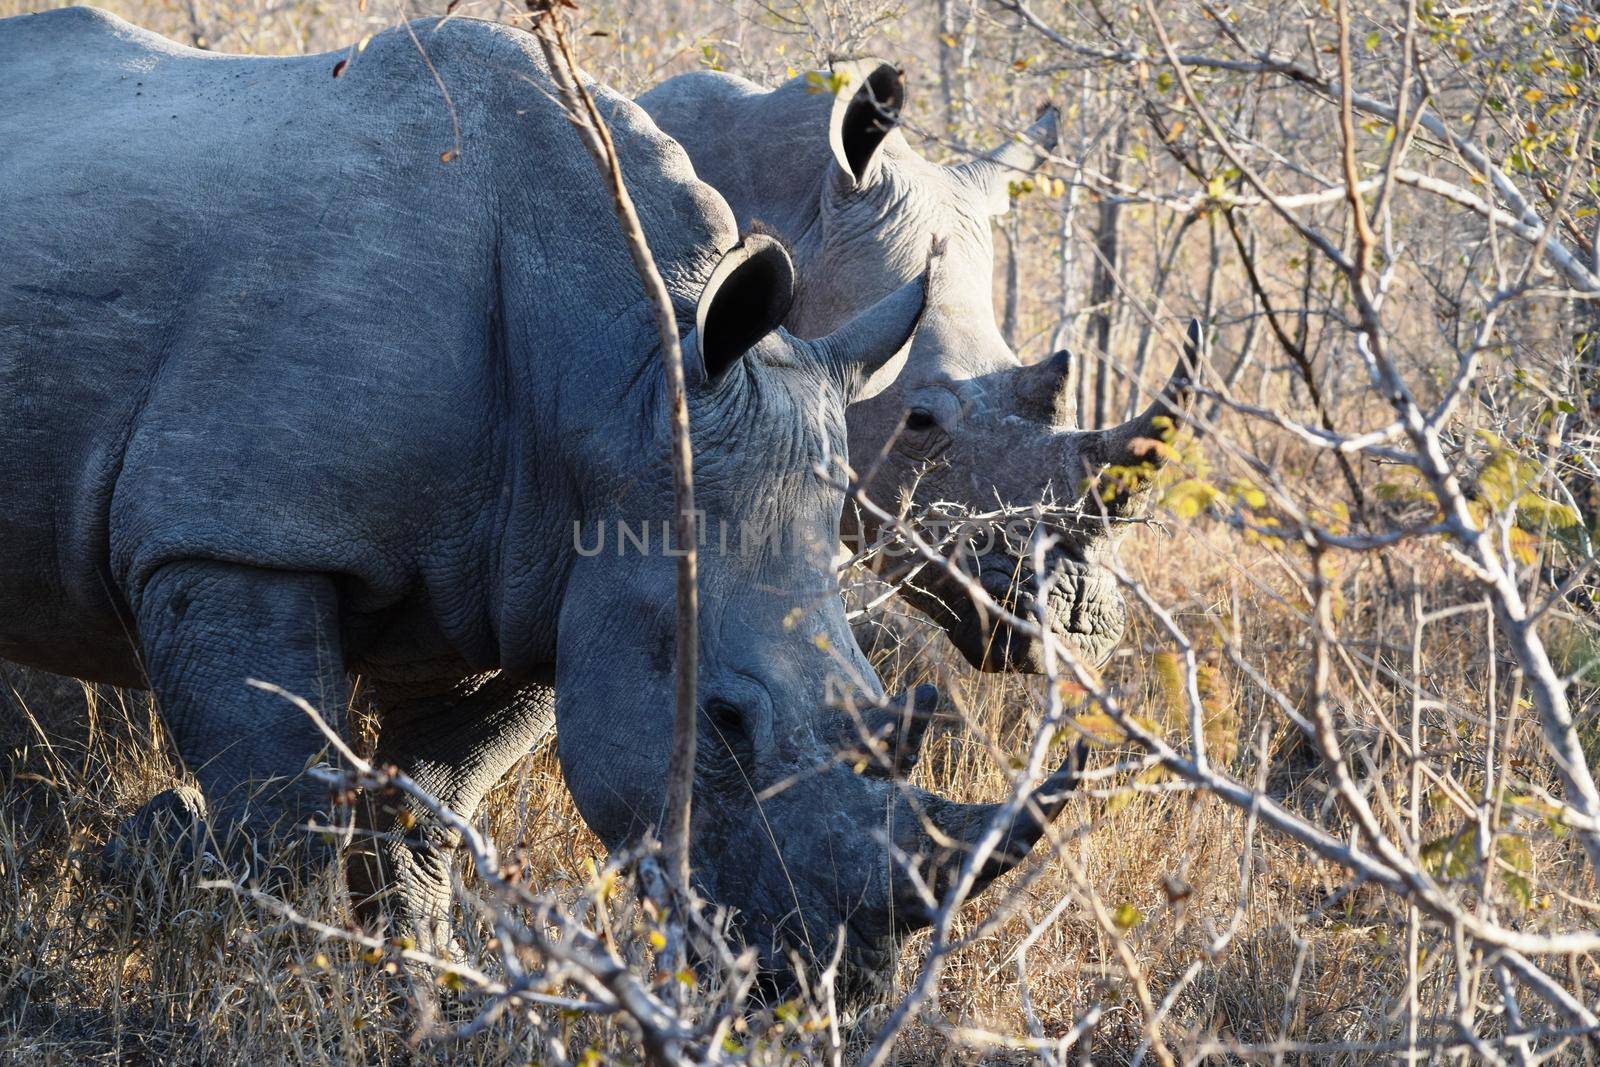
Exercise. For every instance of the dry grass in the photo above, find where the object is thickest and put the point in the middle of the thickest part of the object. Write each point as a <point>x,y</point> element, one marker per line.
<point>94,972</point>
<point>1144,874</point>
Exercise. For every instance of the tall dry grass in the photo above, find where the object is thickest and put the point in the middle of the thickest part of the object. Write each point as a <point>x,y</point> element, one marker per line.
<point>92,971</point>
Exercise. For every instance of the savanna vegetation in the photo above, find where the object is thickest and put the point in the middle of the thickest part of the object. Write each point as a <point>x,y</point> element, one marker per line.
<point>1340,805</point>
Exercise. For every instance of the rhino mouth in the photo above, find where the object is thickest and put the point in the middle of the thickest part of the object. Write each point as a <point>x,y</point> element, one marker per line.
<point>1084,610</point>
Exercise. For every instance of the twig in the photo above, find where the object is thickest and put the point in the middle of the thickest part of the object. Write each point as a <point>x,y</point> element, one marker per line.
<point>550,28</point>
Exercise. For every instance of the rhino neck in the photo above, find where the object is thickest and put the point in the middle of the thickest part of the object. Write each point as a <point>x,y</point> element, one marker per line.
<point>583,397</point>
<point>578,344</point>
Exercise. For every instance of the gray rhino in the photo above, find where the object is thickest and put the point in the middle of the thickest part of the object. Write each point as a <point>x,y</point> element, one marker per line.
<point>964,422</point>
<point>286,395</point>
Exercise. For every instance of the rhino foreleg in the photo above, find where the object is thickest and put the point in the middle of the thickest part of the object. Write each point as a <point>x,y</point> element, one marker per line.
<point>456,745</point>
<point>205,628</point>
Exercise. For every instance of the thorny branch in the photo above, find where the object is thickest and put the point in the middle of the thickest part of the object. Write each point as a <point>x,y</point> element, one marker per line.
<point>550,29</point>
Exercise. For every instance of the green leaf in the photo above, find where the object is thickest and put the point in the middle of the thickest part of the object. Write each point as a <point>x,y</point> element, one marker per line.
<point>1520,889</point>
<point>1535,511</point>
<point>1451,856</point>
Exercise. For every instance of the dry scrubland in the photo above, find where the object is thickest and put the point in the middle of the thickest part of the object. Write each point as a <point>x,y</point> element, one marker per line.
<point>1380,689</point>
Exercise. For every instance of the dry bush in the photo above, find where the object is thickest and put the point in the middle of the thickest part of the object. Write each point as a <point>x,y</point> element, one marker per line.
<point>1316,582</point>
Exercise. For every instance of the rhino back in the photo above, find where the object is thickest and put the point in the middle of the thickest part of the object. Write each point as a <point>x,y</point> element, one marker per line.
<point>248,313</point>
<point>765,150</point>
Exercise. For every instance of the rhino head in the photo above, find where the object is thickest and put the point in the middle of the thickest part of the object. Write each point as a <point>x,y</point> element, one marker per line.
<point>786,832</point>
<point>963,422</point>
<point>1003,437</point>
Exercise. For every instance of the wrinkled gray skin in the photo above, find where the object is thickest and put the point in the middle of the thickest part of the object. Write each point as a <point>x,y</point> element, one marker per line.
<point>282,396</point>
<point>963,422</point>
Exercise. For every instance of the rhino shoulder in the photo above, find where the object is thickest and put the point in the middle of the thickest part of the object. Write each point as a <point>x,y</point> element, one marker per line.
<point>689,223</point>
<point>499,73</point>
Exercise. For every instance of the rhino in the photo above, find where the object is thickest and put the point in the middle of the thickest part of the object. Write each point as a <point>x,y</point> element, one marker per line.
<point>821,162</point>
<point>306,374</point>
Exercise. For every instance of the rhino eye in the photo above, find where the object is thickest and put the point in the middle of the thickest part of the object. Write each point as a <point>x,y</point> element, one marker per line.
<point>728,720</point>
<point>919,420</point>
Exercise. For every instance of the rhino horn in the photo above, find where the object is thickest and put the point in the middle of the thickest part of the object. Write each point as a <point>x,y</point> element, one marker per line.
<point>1045,389</point>
<point>902,725</point>
<point>994,172</point>
<point>962,826</point>
<point>1131,444</point>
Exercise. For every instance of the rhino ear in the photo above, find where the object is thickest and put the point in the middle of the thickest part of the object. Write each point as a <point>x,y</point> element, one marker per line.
<point>865,111</point>
<point>747,298</point>
<point>867,353</point>
<point>1012,161</point>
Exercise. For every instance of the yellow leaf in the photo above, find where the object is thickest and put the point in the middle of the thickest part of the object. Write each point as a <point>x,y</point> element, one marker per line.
<point>1537,511</point>
<point>1247,494</point>
<point>1189,497</point>
<point>1169,673</point>
<point>1100,727</point>
<point>1119,800</point>
<point>818,82</point>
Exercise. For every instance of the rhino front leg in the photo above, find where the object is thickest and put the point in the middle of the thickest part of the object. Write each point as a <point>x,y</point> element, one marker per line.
<point>455,744</point>
<point>204,629</point>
